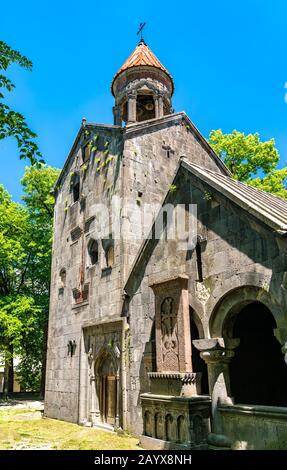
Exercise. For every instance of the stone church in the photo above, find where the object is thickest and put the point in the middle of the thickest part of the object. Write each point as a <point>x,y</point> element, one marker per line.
<point>182,344</point>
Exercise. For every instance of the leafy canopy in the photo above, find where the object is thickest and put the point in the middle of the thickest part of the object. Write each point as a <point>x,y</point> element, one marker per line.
<point>250,160</point>
<point>12,123</point>
<point>25,259</point>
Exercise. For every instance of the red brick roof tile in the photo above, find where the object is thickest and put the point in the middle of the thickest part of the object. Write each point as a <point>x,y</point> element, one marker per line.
<point>142,55</point>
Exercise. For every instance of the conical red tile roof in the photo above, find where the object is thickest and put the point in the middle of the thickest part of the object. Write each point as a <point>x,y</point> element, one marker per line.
<point>142,55</point>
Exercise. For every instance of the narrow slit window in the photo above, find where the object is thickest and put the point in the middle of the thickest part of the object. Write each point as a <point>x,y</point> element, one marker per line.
<point>199,262</point>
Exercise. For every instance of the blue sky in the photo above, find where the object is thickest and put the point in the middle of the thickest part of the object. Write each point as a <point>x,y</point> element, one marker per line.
<point>228,60</point>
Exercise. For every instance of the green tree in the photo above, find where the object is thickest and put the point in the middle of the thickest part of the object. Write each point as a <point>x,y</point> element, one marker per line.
<point>39,202</point>
<point>25,258</point>
<point>274,183</point>
<point>247,158</point>
<point>12,123</point>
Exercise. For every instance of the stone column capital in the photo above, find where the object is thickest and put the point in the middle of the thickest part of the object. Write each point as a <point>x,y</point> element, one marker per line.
<point>132,94</point>
<point>214,350</point>
<point>216,356</point>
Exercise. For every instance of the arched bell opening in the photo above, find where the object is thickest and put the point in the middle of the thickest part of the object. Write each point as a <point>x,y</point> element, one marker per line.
<point>145,107</point>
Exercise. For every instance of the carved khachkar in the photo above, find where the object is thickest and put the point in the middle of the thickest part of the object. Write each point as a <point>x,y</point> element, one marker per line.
<point>173,343</point>
<point>169,332</point>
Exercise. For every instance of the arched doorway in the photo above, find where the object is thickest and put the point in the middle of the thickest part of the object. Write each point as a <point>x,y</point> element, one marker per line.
<point>258,373</point>
<point>107,385</point>
<point>198,364</point>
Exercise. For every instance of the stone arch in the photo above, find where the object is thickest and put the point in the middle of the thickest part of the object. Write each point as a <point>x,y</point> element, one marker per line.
<point>93,251</point>
<point>63,277</point>
<point>224,313</point>
<point>75,186</point>
<point>107,385</point>
<point>181,429</point>
<point>148,424</point>
<point>198,364</point>
<point>169,427</point>
<point>258,373</point>
<point>197,320</point>
<point>158,421</point>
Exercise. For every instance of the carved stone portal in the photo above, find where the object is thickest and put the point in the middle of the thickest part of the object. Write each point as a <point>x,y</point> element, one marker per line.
<point>103,348</point>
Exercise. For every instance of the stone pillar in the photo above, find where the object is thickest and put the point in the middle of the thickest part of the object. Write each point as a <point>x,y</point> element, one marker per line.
<point>93,407</point>
<point>117,116</point>
<point>155,97</point>
<point>172,322</point>
<point>217,358</point>
<point>97,400</point>
<point>94,402</point>
<point>132,107</point>
<point>160,106</point>
<point>118,403</point>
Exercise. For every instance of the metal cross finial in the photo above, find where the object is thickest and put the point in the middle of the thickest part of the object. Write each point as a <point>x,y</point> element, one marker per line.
<point>140,31</point>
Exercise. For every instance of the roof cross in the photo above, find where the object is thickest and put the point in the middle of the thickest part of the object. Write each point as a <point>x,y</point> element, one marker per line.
<point>140,31</point>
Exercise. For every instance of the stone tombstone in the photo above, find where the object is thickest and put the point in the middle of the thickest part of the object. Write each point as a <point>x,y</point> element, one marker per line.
<point>172,325</point>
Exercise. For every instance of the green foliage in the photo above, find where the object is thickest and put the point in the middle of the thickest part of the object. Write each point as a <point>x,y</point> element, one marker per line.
<point>25,259</point>
<point>84,168</point>
<point>207,196</point>
<point>244,155</point>
<point>172,188</point>
<point>274,183</point>
<point>38,184</point>
<point>247,156</point>
<point>19,318</point>
<point>12,123</point>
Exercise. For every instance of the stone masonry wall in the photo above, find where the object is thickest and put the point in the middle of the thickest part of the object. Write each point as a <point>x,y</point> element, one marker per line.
<point>137,164</point>
<point>239,251</point>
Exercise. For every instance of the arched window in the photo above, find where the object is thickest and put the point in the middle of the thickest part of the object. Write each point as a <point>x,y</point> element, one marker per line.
<point>75,187</point>
<point>110,256</point>
<point>63,275</point>
<point>93,250</point>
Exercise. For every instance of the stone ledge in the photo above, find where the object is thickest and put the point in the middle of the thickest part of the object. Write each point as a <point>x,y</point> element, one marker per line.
<point>167,398</point>
<point>255,410</point>
<point>151,443</point>
<point>82,304</point>
<point>182,376</point>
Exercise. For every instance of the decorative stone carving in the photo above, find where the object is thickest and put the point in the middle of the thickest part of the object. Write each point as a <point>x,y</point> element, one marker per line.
<point>169,335</point>
<point>202,292</point>
<point>173,342</point>
<point>172,423</point>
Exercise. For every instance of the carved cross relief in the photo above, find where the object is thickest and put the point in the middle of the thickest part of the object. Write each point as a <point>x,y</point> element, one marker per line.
<point>169,333</point>
<point>172,325</point>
